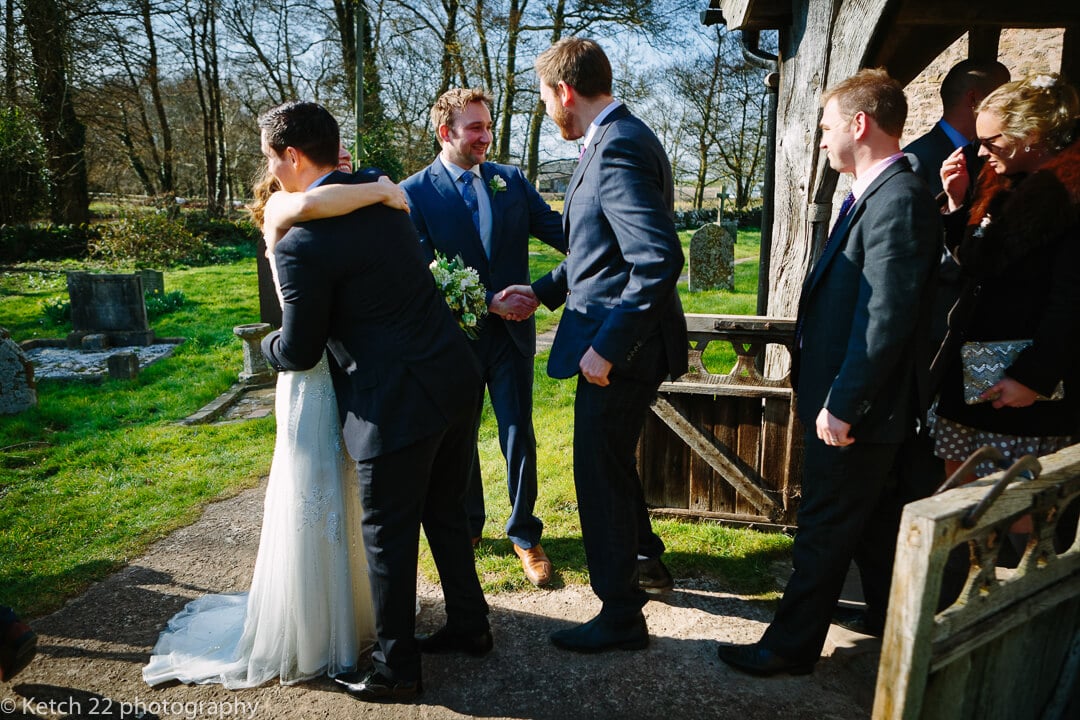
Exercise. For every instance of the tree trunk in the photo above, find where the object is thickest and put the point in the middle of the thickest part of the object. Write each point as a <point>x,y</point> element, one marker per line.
<point>64,135</point>
<point>195,35</point>
<point>451,47</point>
<point>506,113</point>
<point>532,169</point>
<point>10,66</point>
<point>165,170</point>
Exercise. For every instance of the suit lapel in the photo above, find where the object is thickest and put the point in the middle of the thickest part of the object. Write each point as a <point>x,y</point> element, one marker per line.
<point>586,160</point>
<point>843,227</point>
<point>458,217</point>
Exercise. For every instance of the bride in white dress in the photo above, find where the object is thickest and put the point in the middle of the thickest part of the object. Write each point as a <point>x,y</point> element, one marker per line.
<point>308,611</point>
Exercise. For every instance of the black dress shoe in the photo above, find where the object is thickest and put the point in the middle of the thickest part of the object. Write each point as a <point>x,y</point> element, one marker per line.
<point>373,686</point>
<point>600,634</point>
<point>653,576</point>
<point>858,620</point>
<point>18,645</point>
<point>757,660</point>
<point>446,641</point>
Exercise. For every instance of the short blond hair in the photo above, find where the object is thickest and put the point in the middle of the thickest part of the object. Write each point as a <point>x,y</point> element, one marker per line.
<point>452,103</point>
<point>1040,108</point>
<point>873,92</point>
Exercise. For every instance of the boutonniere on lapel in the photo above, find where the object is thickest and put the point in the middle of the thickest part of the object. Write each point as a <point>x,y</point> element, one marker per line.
<point>496,184</point>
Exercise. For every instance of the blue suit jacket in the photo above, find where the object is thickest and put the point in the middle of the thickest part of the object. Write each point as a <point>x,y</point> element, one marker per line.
<point>444,224</point>
<point>864,312</point>
<point>620,274</point>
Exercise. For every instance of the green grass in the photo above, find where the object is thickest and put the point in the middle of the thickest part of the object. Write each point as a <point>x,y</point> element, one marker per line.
<point>98,471</point>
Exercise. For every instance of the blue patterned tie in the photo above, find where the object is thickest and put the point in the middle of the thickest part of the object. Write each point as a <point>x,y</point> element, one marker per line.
<point>468,193</point>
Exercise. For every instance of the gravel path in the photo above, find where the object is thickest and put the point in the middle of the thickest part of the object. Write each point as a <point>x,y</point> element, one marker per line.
<point>92,651</point>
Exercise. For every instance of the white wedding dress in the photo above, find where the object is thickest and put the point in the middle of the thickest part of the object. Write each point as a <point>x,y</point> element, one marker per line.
<point>309,609</point>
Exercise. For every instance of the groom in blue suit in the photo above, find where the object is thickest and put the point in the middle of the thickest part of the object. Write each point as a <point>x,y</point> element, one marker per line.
<point>485,212</point>
<point>622,332</point>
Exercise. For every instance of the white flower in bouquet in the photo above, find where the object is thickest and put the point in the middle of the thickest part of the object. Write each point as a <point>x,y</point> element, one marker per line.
<point>464,293</point>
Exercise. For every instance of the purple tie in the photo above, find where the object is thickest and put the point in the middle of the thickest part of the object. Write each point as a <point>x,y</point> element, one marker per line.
<point>845,206</point>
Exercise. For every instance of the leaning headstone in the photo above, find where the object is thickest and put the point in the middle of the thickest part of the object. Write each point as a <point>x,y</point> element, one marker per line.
<point>112,305</point>
<point>123,366</point>
<point>712,257</point>
<point>18,391</point>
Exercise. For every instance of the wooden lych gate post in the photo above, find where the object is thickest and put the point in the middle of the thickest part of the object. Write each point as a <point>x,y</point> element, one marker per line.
<point>1009,647</point>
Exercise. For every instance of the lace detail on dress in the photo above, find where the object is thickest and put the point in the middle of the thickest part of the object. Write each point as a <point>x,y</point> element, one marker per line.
<point>309,610</point>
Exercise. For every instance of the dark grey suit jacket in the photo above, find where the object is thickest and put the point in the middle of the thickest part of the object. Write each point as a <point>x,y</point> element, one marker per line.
<point>619,279</point>
<point>518,211</point>
<point>358,286</point>
<point>864,312</point>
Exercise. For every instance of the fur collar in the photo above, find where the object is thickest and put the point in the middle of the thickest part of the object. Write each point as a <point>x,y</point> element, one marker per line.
<point>1064,168</point>
<point>1013,216</point>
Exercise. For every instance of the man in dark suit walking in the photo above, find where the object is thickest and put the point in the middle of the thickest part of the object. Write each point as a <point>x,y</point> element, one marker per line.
<point>406,383</point>
<point>859,370</point>
<point>494,240</point>
<point>622,332</point>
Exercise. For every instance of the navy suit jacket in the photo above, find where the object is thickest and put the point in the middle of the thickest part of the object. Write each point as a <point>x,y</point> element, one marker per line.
<point>445,224</point>
<point>358,286</point>
<point>620,274</point>
<point>864,312</point>
<point>926,153</point>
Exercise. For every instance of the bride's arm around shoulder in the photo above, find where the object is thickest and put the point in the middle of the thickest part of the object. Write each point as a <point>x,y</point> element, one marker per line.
<point>285,209</point>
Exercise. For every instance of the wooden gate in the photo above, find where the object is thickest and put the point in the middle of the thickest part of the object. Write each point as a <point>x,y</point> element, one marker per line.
<point>725,447</point>
<point>1009,647</point>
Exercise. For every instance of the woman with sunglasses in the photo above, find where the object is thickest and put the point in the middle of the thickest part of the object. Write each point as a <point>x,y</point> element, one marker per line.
<point>1015,233</point>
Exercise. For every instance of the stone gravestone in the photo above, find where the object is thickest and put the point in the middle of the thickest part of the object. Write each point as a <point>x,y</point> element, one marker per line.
<point>109,305</point>
<point>712,257</point>
<point>153,282</point>
<point>18,391</point>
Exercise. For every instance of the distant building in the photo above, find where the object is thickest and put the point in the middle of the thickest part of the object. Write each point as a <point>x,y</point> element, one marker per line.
<point>554,175</point>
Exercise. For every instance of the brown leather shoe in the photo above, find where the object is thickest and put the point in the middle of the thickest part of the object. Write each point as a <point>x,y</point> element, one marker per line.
<point>535,563</point>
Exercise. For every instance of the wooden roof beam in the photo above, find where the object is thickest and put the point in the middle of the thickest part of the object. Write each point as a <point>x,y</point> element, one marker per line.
<point>1001,13</point>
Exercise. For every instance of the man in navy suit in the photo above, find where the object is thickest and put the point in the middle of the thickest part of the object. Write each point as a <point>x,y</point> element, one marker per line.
<point>622,331</point>
<point>358,287</point>
<point>964,87</point>
<point>860,369</point>
<point>495,242</point>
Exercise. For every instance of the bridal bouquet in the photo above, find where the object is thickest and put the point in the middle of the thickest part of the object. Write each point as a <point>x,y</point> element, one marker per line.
<point>464,293</point>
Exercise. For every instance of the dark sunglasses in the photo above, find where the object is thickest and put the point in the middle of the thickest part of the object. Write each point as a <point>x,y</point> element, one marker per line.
<point>988,143</point>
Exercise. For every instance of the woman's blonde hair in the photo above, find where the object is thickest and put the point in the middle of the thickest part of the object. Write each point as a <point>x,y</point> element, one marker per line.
<point>261,191</point>
<point>1040,108</point>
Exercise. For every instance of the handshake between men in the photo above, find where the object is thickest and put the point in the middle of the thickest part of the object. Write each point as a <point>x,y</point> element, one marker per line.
<point>522,302</point>
<point>515,303</point>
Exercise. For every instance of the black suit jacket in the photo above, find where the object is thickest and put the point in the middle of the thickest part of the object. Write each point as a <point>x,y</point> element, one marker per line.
<point>359,286</point>
<point>864,312</point>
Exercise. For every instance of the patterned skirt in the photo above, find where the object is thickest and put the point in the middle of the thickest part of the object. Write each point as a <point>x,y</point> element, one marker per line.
<point>953,441</point>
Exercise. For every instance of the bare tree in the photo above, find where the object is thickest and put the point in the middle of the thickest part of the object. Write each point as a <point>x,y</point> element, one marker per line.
<point>46,25</point>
